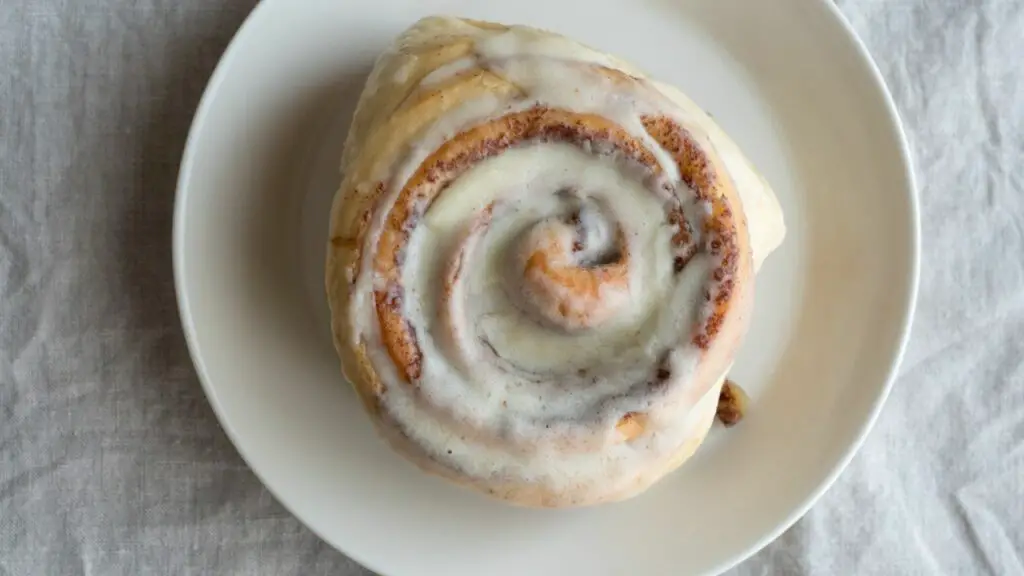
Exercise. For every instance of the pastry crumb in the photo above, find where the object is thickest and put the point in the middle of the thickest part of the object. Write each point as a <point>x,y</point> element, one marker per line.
<point>732,404</point>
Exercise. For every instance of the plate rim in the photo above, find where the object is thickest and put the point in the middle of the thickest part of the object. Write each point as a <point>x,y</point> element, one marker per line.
<point>909,298</point>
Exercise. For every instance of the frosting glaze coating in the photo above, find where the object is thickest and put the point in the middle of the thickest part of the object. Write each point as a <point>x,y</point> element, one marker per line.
<point>541,262</point>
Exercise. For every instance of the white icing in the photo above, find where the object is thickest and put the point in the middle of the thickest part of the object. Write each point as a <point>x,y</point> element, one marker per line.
<point>504,394</point>
<point>764,215</point>
<point>450,69</point>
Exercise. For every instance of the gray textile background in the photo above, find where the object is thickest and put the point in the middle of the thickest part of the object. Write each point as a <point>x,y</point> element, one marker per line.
<point>111,461</point>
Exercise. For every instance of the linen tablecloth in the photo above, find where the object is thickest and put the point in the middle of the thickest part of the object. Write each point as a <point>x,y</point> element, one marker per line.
<point>111,460</point>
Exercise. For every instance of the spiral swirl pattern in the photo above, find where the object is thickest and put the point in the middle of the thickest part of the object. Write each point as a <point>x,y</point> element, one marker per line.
<point>539,267</point>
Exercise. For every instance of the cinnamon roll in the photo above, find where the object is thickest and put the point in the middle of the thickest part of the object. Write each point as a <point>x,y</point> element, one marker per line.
<point>541,263</point>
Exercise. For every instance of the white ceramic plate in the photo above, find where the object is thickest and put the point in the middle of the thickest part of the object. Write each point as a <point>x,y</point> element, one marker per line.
<point>786,78</point>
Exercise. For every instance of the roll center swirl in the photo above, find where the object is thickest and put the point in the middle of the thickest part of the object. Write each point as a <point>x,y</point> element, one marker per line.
<point>575,268</point>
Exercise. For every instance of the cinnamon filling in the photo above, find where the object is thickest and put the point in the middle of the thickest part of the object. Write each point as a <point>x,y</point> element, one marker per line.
<point>554,262</point>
